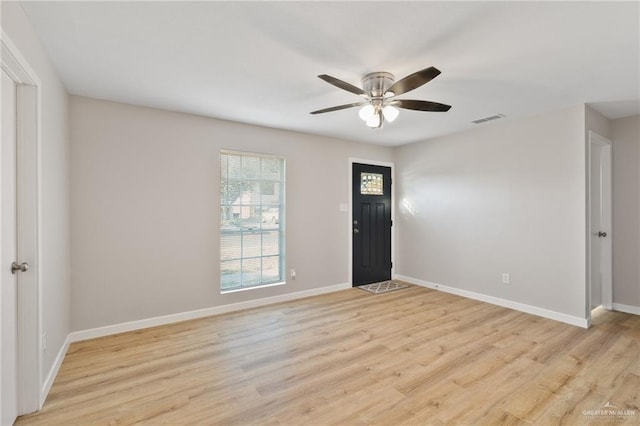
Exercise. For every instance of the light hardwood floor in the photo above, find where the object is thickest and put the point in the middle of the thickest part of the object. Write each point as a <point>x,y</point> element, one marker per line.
<point>413,356</point>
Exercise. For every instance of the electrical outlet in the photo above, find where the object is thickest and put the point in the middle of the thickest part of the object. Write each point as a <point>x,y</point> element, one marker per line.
<point>506,278</point>
<point>293,274</point>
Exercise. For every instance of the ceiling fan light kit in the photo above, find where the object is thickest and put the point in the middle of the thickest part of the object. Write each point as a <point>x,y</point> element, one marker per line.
<point>379,89</point>
<point>390,113</point>
<point>375,121</point>
<point>367,112</point>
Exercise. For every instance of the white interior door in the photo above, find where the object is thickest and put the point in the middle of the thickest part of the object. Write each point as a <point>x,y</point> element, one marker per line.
<point>600,222</point>
<point>8,252</point>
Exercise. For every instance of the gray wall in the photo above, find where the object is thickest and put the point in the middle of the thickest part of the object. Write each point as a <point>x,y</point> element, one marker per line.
<point>54,180</point>
<point>625,134</point>
<point>508,197</point>
<point>145,209</point>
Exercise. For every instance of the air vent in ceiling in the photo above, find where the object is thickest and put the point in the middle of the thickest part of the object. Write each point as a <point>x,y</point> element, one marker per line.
<point>493,117</point>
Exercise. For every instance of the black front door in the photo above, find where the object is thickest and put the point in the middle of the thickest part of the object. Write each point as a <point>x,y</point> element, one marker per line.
<point>371,223</point>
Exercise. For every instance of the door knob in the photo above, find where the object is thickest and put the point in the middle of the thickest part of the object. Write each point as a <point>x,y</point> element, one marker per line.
<point>22,267</point>
<point>602,234</point>
<point>355,230</point>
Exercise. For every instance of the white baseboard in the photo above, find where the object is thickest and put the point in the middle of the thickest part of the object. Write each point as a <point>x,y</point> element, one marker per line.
<point>92,333</point>
<point>626,308</point>
<point>534,310</point>
<point>53,372</point>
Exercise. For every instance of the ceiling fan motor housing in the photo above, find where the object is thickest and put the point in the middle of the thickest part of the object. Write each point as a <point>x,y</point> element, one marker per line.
<point>376,84</point>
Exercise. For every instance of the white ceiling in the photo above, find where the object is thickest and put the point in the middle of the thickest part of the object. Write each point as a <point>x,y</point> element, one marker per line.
<point>257,62</point>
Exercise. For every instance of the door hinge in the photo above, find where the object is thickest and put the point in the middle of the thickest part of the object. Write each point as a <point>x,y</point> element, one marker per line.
<point>391,223</point>
<point>392,264</point>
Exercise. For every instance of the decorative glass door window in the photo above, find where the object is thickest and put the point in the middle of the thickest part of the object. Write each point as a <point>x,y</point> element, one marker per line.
<point>371,184</point>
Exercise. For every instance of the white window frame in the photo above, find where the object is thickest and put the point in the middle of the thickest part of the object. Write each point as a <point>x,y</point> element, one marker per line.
<point>281,221</point>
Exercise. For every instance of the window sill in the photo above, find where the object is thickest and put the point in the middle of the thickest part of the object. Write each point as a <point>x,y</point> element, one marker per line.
<point>236,290</point>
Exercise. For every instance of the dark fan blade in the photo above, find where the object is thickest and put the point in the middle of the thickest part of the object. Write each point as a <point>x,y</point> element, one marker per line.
<point>420,105</point>
<point>338,108</point>
<point>413,81</point>
<point>342,84</point>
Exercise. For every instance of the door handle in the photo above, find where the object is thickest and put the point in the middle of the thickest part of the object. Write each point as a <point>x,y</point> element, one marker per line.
<point>22,267</point>
<point>602,234</point>
<point>356,230</point>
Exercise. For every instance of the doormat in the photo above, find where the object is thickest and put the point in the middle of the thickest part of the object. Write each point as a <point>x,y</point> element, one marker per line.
<point>383,287</point>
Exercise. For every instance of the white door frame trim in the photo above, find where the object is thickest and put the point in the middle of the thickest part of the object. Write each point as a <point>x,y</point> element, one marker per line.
<point>350,214</point>
<point>30,395</point>
<point>607,281</point>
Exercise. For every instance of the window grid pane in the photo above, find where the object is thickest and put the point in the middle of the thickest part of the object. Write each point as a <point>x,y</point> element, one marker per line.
<point>251,220</point>
<point>371,184</point>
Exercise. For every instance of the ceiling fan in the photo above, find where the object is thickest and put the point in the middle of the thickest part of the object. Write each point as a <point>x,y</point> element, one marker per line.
<point>380,89</point>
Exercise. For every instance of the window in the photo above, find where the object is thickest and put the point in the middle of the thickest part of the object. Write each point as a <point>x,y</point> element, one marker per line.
<point>371,184</point>
<point>252,206</point>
